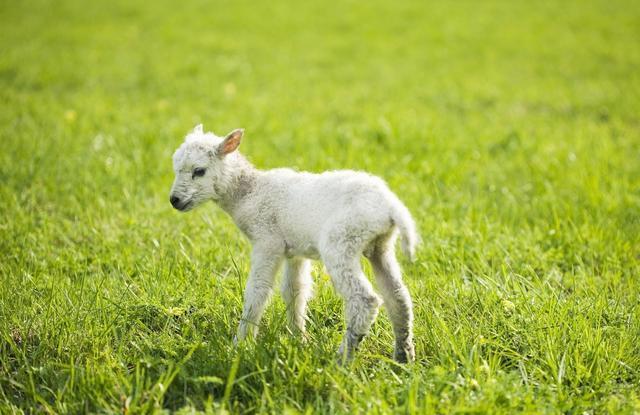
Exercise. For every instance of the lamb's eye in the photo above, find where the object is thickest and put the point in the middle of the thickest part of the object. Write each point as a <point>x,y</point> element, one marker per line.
<point>199,172</point>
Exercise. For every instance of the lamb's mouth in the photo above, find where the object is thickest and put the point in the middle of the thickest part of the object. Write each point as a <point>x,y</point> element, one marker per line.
<point>185,207</point>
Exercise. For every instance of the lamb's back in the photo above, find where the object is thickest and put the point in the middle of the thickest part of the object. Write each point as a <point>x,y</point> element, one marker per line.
<point>308,199</point>
<point>324,189</point>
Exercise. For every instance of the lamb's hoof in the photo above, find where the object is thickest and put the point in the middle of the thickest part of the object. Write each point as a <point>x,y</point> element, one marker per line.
<point>349,346</point>
<point>344,359</point>
<point>344,355</point>
<point>404,353</point>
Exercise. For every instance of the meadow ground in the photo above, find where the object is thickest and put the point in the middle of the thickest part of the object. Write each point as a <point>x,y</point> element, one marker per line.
<point>510,129</point>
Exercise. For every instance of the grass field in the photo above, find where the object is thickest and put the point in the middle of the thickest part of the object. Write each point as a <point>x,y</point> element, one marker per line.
<point>510,129</point>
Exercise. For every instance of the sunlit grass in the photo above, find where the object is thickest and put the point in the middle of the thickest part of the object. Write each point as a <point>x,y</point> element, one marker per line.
<point>509,129</point>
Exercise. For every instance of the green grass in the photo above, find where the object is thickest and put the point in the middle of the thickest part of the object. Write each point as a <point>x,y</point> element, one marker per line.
<point>510,129</point>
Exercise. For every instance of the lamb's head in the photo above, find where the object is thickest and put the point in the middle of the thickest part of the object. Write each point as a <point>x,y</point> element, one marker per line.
<point>203,166</point>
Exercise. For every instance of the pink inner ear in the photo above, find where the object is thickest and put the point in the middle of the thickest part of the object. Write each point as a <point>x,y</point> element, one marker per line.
<point>231,143</point>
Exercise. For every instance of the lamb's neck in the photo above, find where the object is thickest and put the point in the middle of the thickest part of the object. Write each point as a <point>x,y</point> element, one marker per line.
<point>240,184</point>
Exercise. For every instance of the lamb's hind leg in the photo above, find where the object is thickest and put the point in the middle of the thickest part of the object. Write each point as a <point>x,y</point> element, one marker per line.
<point>296,290</point>
<point>362,302</point>
<point>396,297</point>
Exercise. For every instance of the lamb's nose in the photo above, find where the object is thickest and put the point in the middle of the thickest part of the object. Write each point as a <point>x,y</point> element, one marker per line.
<point>174,201</point>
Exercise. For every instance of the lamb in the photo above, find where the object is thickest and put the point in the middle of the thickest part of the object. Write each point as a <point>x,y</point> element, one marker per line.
<point>293,217</point>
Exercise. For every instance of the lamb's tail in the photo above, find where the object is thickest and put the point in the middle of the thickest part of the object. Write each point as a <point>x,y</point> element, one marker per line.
<point>410,238</point>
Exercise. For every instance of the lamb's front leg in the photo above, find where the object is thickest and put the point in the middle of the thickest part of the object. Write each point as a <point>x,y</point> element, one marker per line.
<point>264,266</point>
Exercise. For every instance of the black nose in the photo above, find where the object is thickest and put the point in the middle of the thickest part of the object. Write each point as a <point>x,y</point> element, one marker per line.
<point>174,201</point>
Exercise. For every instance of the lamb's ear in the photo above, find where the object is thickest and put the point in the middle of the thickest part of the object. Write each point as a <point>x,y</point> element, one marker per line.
<point>230,142</point>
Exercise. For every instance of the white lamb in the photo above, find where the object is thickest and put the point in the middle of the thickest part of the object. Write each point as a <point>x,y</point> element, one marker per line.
<point>292,217</point>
